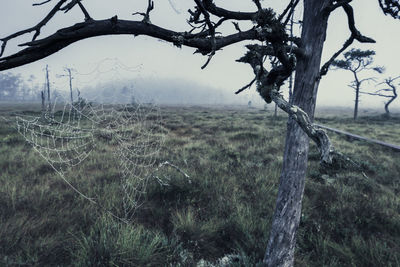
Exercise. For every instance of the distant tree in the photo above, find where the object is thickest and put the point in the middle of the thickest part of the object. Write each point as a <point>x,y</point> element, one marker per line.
<point>49,107</point>
<point>297,53</point>
<point>70,78</point>
<point>43,98</point>
<point>357,61</point>
<point>390,92</point>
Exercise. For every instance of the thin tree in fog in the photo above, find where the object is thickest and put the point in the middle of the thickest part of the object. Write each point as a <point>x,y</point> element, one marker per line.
<point>389,91</point>
<point>357,61</point>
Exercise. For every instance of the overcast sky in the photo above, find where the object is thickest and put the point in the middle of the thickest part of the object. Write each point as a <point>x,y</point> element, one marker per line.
<point>120,57</point>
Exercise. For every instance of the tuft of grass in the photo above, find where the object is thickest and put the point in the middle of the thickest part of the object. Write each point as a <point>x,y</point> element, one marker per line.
<point>112,243</point>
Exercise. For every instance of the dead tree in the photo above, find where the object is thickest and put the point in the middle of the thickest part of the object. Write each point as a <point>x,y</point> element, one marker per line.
<point>69,71</point>
<point>390,92</point>
<point>70,78</point>
<point>205,35</point>
<point>49,111</point>
<point>357,61</point>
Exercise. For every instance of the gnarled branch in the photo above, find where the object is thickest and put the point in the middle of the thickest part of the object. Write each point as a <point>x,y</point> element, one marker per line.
<point>318,135</point>
<point>41,3</point>
<point>62,38</point>
<point>351,22</point>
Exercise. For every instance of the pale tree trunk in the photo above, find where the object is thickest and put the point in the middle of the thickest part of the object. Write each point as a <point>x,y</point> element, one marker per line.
<point>356,103</point>
<point>387,107</point>
<point>286,219</point>
<point>70,85</point>
<point>48,90</point>
<point>356,86</point>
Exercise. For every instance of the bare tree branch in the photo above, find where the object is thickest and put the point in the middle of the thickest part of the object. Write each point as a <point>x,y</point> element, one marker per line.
<point>337,4</point>
<point>87,16</point>
<point>211,29</point>
<point>318,135</point>
<point>220,12</point>
<point>367,79</point>
<point>35,28</point>
<point>375,94</point>
<point>236,26</point>
<point>62,38</point>
<point>268,84</point>
<point>146,16</point>
<point>72,4</point>
<point>41,3</point>
<point>267,28</point>
<point>69,6</point>
<point>354,32</point>
<point>246,86</point>
<point>290,8</point>
<point>325,67</point>
<point>258,4</point>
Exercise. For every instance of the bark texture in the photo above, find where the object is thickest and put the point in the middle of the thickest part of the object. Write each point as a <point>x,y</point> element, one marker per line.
<point>281,244</point>
<point>356,103</point>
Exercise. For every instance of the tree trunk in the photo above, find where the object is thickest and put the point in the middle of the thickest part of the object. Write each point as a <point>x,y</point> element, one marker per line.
<point>387,109</point>
<point>356,102</point>
<point>43,105</point>
<point>282,240</point>
<point>48,89</point>
<point>70,85</point>
<point>388,103</point>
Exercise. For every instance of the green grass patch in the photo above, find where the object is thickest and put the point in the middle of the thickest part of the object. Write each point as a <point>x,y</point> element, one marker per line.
<point>220,215</point>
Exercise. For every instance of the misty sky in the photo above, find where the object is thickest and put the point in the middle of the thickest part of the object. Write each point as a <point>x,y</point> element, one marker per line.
<point>141,58</point>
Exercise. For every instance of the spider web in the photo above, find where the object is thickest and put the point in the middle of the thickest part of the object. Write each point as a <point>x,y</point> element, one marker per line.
<point>67,138</point>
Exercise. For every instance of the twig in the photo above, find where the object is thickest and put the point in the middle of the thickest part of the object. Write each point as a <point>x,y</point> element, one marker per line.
<point>246,86</point>
<point>236,26</point>
<point>87,16</point>
<point>36,28</point>
<point>332,7</point>
<point>211,28</point>
<point>258,4</point>
<point>41,3</point>
<point>325,67</point>
<point>146,16</point>
<point>291,12</point>
<point>290,8</point>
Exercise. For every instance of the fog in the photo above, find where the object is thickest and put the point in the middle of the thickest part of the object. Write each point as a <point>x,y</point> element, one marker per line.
<point>163,66</point>
<point>163,92</point>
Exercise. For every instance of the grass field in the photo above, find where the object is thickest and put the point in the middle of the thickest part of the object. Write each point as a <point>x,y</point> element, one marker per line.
<point>220,215</point>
